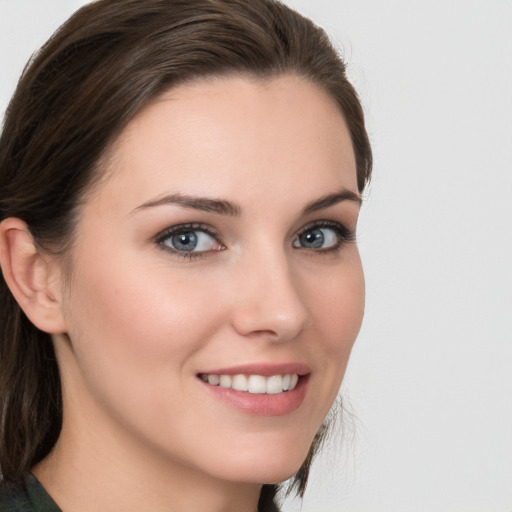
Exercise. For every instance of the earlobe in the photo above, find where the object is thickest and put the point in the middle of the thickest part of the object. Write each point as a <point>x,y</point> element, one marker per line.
<point>30,277</point>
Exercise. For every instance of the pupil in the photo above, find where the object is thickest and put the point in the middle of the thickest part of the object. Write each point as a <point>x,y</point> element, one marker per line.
<point>314,239</point>
<point>185,241</point>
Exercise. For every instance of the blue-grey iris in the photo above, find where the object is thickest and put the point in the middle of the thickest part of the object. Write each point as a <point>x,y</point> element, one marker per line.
<point>184,241</point>
<point>313,239</point>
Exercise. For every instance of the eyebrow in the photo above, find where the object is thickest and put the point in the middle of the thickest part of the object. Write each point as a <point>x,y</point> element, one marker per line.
<point>332,199</point>
<point>204,204</point>
<point>224,207</point>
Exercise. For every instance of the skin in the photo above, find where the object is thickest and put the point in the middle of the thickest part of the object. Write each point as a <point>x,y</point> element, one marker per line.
<point>141,321</point>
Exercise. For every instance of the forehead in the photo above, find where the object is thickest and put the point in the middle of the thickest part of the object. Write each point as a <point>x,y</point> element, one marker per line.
<point>223,132</point>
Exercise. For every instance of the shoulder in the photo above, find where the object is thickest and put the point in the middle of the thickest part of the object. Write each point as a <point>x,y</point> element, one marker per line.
<point>27,496</point>
<point>14,498</point>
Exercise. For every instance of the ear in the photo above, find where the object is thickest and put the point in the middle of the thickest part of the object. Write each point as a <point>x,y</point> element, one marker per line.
<point>34,282</point>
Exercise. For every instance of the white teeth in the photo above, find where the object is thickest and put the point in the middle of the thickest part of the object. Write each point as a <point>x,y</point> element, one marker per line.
<point>274,385</point>
<point>214,380</point>
<point>225,381</point>
<point>256,384</point>
<point>240,383</point>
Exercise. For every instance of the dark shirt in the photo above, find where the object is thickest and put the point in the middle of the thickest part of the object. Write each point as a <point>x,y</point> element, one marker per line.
<point>30,497</point>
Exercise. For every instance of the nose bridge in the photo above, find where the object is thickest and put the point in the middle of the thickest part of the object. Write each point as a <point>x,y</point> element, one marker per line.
<point>269,301</point>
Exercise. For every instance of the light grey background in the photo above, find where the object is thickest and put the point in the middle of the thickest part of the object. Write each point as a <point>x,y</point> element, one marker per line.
<point>430,381</point>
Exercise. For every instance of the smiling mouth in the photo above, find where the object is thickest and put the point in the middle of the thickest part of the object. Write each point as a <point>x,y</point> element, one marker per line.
<point>255,384</point>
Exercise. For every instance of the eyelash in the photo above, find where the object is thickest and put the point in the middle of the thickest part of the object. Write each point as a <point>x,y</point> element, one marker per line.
<point>162,237</point>
<point>344,236</point>
<point>343,233</point>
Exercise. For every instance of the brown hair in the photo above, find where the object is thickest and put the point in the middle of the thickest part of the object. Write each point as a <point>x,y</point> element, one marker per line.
<point>74,98</point>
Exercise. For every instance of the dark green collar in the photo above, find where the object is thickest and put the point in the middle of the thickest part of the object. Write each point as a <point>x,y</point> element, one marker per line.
<point>29,496</point>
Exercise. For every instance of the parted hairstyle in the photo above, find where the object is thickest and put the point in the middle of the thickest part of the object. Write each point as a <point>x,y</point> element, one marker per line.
<point>106,63</point>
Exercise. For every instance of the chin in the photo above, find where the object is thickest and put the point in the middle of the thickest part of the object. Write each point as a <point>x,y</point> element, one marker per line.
<point>268,465</point>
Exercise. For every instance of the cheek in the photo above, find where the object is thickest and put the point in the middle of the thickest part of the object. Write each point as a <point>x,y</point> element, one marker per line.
<point>141,320</point>
<point>134,335</point>
<point>337,306</point>
<point>138,301</point>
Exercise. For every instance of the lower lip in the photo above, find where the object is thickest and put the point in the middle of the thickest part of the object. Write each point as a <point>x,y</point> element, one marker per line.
<point>262,404</point>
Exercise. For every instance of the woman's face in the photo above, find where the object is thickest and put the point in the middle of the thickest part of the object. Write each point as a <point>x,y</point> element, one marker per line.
<point>218,248</point>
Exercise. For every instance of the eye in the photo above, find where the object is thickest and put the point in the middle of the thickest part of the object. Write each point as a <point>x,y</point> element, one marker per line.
<point>323,236</point>
<point>190,239</point>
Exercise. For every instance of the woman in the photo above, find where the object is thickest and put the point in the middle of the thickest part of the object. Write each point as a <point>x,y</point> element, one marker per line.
<point>180,186</point>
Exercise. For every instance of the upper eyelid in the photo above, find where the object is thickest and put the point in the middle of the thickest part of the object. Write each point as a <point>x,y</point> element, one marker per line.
<point>192,226</point>
<point>320,222</point>
<point>324,223</point>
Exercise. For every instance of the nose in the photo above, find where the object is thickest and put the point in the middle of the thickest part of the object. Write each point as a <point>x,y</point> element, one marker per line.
<point>268,299</point>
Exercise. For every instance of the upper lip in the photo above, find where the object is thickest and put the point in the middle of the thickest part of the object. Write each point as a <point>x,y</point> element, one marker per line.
<point>264,369</point>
